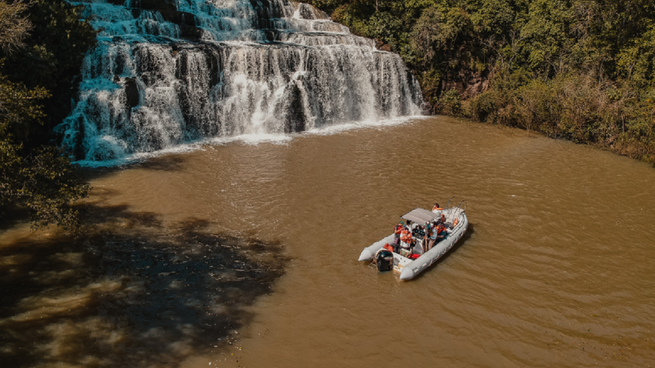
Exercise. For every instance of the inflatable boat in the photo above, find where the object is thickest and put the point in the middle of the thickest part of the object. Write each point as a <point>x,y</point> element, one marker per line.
<point>409,265</point>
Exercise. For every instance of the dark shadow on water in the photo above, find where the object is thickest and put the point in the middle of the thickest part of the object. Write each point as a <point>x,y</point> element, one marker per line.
<point>162,163</point>
<point>11,216</point>
<point>172,162</point>
<point>14,216</point>
<point>136,295</point>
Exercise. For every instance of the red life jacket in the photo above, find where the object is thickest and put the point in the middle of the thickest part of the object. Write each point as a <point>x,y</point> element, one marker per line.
<point>399,229</point>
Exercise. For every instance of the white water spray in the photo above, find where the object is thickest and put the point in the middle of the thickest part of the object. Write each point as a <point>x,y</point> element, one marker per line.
<point>166,72</point>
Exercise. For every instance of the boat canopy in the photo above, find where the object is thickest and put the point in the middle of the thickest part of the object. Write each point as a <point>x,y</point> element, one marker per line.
<point>419,215</point>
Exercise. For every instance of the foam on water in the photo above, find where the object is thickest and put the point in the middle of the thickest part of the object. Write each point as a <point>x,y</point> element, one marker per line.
<point>169,72</point>
<point>249,139</point>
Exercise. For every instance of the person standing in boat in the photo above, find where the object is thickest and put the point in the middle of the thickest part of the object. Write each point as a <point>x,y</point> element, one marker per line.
<point>429,229</point>
<point>432,234</point>
<point>405,242</point>
<point>396,231</point>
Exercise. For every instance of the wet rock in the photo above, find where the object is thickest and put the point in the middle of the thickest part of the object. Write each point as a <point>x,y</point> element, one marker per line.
<point>158,5</point>
<point>266,10</point>
<point>272,35</point>
<point>306,12</point>
<point>132,92</point>
<point>191,33</point>
<point>79,151</point>
<point>215,67</point>
<point>296,120</point>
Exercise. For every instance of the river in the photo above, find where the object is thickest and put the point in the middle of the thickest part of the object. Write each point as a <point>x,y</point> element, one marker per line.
<point>557,269</point>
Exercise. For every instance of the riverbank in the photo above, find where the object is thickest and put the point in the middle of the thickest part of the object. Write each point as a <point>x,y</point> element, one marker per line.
<point>576,108</point>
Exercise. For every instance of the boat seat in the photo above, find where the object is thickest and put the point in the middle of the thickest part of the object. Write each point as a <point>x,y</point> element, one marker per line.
<point>418,248</point>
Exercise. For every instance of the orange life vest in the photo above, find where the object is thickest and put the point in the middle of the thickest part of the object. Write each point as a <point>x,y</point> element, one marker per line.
<point>406,236</point>
<point>435,208</point>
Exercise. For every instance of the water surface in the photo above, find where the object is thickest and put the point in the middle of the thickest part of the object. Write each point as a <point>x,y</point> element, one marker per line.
<point>557,269</point>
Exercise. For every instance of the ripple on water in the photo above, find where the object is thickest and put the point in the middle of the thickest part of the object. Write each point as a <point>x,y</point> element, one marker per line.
<point>556,270</point>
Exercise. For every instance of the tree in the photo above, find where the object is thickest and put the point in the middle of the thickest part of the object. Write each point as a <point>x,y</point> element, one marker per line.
<point>39,178</point>
<point>51,58</point>
<point>14,26</point>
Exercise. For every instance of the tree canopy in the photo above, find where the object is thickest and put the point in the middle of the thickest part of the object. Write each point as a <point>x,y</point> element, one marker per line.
<point>42,47</point>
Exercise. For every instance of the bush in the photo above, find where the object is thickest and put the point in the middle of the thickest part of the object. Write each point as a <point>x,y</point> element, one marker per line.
<point>449,103</point>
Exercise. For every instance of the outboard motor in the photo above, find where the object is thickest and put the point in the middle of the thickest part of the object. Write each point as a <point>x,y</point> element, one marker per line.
<point>384,260</point>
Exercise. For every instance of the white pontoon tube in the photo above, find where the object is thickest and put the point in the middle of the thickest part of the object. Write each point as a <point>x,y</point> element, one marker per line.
<point>409,268</point>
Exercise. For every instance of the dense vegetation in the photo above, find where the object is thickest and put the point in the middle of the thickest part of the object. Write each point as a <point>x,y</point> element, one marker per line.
<point>41,48</point>
<point>583,70</point>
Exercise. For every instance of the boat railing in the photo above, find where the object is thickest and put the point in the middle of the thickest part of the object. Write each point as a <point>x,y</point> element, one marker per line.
<point>455,213</point>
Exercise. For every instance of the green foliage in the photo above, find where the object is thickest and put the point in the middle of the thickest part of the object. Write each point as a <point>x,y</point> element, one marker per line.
<point>547,36</point>
<point>43,179</point>
<point>51,57</point>
<point>45,182</point>
<point>33,175</point>
<point>578,69</point>
<point>575,107</point>
<point>450,103</point>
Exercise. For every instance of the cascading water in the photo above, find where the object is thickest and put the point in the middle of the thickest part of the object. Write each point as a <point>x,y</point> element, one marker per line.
<point>172,71</point>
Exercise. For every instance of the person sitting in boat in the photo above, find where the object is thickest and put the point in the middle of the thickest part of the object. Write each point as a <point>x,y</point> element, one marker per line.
<point>436,208</point>
<point>442,231</point>
<point>405,242</point>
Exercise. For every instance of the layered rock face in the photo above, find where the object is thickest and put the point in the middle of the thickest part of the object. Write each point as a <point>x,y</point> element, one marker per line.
<point>167,72</point>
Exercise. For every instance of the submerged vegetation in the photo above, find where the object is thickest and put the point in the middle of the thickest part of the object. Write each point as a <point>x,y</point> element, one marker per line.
<point>41,48</point>
<point>583,70</point>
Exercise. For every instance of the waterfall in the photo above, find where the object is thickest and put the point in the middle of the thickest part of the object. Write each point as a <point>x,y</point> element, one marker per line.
<point>167,72</point>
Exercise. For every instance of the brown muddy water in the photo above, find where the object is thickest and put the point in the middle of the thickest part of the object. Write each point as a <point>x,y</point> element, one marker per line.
<point>246,255</point>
